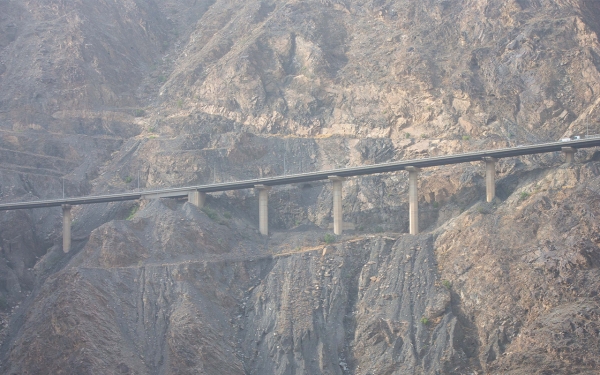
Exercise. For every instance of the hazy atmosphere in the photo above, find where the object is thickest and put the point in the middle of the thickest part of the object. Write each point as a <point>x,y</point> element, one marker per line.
<point>484,265</point>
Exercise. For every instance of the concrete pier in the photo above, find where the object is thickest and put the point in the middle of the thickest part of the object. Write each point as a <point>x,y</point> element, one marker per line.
<point>197,198</point>
<point>263,208</point>
<point>67,218</point>
<point>569,154</point>
<point>413,199</point>
<point>338,219</point>
<point>490,178</point>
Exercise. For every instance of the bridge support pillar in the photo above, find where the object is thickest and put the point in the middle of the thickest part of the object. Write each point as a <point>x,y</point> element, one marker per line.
<point>67,218</point>
<point>490,178</point>
<point>338,219</point>
<point>263,208</point>
<point>569,154</point>
<point>197,198</point>
<point>413,199</point>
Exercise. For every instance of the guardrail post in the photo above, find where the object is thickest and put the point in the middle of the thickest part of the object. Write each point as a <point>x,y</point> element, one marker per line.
<point>338,219</point>
<point>67,218</point>
<point>413,199</point>
<point>569,154</point>
<point>197,198</point>
<point>490,178</point>
<point>263,208</point>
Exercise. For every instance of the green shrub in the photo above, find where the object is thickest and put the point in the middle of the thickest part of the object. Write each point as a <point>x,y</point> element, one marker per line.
<point>161,79</point>
<point>329,238</point>
<point>447,284</point>
<point>180,103</point>
<point>132,212</point>
<point>128,179</point>
<point>139,113</point>
<point>424,321</point>
<point>212,214</point>
<point>227,215</point>
<point>524,195</point>
<point>466,137</point>
<point>424,136</point>
<point>407,135</point>
<point>378,229</point>
<point>435,204</point>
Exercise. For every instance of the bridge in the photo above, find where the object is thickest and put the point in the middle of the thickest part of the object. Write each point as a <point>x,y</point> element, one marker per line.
<point>197,194</point>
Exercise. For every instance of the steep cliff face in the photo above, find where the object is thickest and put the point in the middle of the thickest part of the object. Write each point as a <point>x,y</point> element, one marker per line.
<point>102,96</point>
<point>507,287</point>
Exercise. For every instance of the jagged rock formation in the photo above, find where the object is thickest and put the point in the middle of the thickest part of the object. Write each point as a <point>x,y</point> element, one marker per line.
<point>97,96</point>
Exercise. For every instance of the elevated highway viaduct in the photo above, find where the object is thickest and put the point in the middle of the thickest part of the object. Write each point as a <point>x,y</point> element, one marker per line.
<point>197,194</point>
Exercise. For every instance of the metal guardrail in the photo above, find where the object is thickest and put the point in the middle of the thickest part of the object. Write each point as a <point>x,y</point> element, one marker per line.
<point>317,176</point>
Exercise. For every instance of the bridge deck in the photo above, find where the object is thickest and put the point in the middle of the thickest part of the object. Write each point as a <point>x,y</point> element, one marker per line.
<point>315,176</point>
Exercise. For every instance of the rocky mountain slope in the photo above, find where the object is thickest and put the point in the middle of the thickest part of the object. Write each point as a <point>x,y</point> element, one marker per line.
<point>111,96</point>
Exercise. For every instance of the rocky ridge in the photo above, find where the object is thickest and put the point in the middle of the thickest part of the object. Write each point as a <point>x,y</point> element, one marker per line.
<point>96,94</point>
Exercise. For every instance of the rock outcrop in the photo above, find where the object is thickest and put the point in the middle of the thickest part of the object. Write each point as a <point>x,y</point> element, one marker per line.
<point>102,97</point>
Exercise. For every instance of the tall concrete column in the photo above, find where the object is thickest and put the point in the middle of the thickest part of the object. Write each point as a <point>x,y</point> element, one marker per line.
<point>413,199</point>
<point>338,219</point>
<point>569,154</point>
<point>197,198</point>
<point>67,218</point>
<point>490,178</point>
<point>263,208</point>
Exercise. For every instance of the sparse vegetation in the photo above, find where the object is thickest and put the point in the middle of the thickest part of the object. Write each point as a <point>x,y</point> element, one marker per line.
<point>152,129</point>
<point>407,135</point>
<point>378,229</point>
<point>466,137</point>
<point>447,284</point>
<point>524,195</point>
<point>435,204</point>
<point>424,136</point>
<point>132,212</point>
<point>3,303</point>
<point>227,215</point>
<point>329,238</point>
<point>128,179</point>
<point>424,321</point>
<point>212,214</point>
<point>162,79</point>
<point>52,261</point>
<point>139,113</point>
<point>180,103</point>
